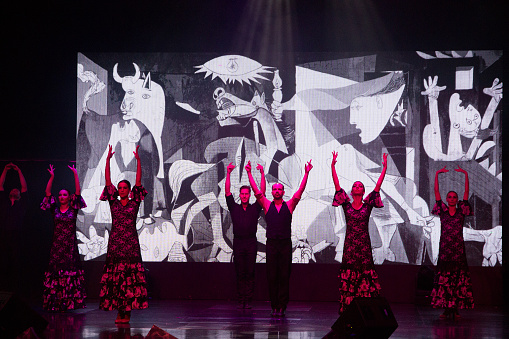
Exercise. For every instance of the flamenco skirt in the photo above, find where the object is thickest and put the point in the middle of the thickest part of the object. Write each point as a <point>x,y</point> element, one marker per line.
<point>64,290</point>
<point>123,287</point>
<point>357,283</point>
<point>452,289</point>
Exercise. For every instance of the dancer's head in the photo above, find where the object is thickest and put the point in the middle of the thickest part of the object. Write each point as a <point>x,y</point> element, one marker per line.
<point>452,198</point>
<point>245,194</point>
<point>358,188</point>
<point>278,191</point>
<point>15,194</point>
<point>124,188</point>
<point>63,197</point>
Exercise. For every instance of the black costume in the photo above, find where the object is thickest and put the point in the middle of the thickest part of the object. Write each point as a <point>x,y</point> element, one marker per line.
<point>245,223</point>
<point>279,255</point>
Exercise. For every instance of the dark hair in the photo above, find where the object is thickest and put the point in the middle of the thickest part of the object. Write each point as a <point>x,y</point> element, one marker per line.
<point>278,183</point>
<point>452,192</point>
<point>65,189</point>
<point>125,182</point>
<point>245,187</point>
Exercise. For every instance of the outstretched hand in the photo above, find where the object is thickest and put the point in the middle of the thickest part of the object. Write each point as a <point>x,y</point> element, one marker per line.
<point>334,158</point>
<point>308,166</point>
<point>384,161</point>
<point>461,170</point>
<point>72,168</point>
<point>230,167</point>
<point>136,155</point>
<point>443,170</point>
<point>51,170</point>
<point>495,90</point>
<point>432,90</point>
<point>110,152</point>
<point>260,168</point>
<point>248,167</point>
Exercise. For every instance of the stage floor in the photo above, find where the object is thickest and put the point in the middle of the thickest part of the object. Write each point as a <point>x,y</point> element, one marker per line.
<point>221,319</point>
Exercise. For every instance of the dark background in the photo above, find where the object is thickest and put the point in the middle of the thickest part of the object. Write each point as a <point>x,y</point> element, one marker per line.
<point>40,43</point>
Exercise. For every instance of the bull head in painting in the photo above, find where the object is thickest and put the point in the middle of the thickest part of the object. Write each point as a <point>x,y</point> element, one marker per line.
<point>144,101</point>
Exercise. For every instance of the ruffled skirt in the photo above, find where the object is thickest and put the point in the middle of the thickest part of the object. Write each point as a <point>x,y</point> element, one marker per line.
<point>452,289</point>
<point>64,290</point>
<point>123,287</point>
<point>357,283</point>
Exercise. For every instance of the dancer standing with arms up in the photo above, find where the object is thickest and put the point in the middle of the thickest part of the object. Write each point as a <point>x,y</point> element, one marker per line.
<point>245,223</point>
<point>452,288</point>
<point>64,279</point>
<point>123,280</point>
<point>358,277</point>
<point>278,215</point>
<point>13,207</point>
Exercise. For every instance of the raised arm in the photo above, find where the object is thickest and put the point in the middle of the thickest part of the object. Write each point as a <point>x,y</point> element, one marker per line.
<point>227,183</point>
<point>22,180</point>
<point>138,167</point>
<point>51,171</point>
<point>263,184</point>
<point>77,189</point>
<point>437,188</point>
<point>337,187</point>
<point>382,175</point>
<point>461,170</point>
<point>304,181</point>
<point>107,173</point>
<point>252,182</point>
<point>2,177</point>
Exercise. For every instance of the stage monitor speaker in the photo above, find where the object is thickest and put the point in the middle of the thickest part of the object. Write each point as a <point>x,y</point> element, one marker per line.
<point>366,318</point>
<point>158,333</point>
<point>16,316</point>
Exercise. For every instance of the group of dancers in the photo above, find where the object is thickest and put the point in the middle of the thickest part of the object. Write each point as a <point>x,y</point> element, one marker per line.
<point>123,282</point>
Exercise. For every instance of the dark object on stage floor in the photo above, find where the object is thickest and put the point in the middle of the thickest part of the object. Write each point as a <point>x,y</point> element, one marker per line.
<point>16,316</point>
<point>156,332</point>
<point>365,318</point>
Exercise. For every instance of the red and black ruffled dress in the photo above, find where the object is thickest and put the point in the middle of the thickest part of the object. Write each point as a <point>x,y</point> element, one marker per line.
<point>452,287</point>
<point>64,279</point>
<point>358,277</point>
<point>123,280</point>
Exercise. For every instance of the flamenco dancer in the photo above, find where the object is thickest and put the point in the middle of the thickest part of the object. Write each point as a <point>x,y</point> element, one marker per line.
<point>123,280</point>
<point>452,288</point>
<point>358,277</point>
<point>64,278</point>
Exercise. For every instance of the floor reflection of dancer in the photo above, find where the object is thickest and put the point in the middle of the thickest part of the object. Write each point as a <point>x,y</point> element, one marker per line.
<point>452,288</point>
<point>278,216</point>
<point>245,223</point>
<point>13,206</point>
<point>358,277</point>
<point>123,281</point>
<point>64,279</point>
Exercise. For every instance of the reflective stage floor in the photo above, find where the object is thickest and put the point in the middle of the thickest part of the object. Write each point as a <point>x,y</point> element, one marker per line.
<point>221,319</point>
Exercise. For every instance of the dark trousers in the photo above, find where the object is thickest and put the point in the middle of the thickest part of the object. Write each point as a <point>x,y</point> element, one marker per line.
<point>279,265</point>
<point>244,258</point>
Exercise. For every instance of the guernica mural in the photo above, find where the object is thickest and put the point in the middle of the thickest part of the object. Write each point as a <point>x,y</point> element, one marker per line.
<point>193,114</point>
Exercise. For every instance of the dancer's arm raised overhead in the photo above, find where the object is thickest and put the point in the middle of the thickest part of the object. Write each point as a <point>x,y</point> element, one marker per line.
<point>437,188</point>
<point>138,167</point>
<point>337,187</point>
<point>292,203</point>
<point>461,170</point>
<point>227,182</point>
<point>263,184</point>
<point>51,171</point>
<point>107,173</point>
<point>382,175</point>
<point>76,180</point>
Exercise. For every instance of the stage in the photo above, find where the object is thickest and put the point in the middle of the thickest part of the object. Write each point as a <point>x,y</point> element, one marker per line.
<point>221,319</point>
